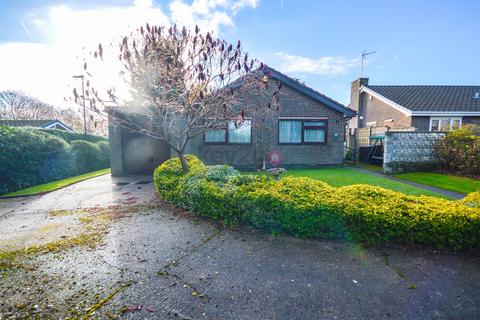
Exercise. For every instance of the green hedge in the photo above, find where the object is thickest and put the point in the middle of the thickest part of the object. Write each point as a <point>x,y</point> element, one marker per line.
<point>310,208</point>
<point>71,136</point>
<point>459,151</point>
<point>30,157</point>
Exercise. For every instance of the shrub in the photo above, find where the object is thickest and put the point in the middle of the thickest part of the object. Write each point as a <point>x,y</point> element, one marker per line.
<point>167,176</point>
<point>459,151</point>
<point>86,155</point>
<point>69,136</point>
<point>472,200</point>
<point>220,173</point>
<point>31,157</point>
<point>311,208</point>
<point>104,159</point>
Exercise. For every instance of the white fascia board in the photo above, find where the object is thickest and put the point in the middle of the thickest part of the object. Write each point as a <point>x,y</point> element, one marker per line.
<point>52,125</point>
<point>446,114</point>
<point>395,105</point>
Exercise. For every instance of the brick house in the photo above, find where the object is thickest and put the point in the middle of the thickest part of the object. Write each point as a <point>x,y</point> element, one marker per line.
<point>309,131</point>
<point>423,107</point>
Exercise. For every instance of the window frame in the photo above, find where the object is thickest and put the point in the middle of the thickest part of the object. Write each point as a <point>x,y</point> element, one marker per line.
<point>225,129</point>
<point>452,119</point>
<point>215,142</point>
<point>303,128</point>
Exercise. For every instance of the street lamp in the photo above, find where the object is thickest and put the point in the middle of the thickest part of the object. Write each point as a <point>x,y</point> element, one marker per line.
<point>83,103</point>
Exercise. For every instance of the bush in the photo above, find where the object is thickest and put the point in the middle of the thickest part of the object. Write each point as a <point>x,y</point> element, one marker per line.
<point>459,151</point>
<point>70,136</point>
<point>31,157</point>
<point>104,159</point>
<point>166,176</point>
<point>87,155</point>
<point>220,173</point>
<point>472,200</point>
<point>310,208</point>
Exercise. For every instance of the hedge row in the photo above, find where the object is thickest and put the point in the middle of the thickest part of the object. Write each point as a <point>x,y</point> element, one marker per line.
<point>30,157</point>
<point>459,151</point>
<point>71,136</point>
<point>310,208</point>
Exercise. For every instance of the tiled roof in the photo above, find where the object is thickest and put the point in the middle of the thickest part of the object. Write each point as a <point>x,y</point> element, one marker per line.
<point>432,98</point>
<point>329,102</point>
<point>27,123</point>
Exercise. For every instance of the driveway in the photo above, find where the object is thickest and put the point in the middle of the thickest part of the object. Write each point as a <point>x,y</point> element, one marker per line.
<point>157,262</point>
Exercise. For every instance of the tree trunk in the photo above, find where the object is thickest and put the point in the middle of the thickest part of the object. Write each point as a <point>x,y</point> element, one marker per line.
<point>183,161</point>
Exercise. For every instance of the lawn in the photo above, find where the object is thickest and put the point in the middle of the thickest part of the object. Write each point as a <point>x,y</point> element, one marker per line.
<point>444,181</point>
<point>54,185</point>
<point>344,176</point>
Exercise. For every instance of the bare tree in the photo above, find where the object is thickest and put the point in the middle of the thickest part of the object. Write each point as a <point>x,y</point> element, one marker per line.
<point>17,105</point>
<point>184,82</point>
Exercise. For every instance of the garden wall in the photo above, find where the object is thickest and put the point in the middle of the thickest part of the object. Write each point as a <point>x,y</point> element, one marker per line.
<point>410,151</point>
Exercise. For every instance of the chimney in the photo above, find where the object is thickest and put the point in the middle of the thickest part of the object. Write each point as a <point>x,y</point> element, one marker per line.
<point>355,101</point>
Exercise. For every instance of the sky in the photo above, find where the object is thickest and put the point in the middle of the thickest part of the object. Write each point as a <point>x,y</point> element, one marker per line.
<point>319,42</point>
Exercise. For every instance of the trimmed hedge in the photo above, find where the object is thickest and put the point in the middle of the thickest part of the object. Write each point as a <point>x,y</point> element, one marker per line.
<point>71,136</point>
<point>310,208</point>
<point>87,155</point>
<point>30,157</point>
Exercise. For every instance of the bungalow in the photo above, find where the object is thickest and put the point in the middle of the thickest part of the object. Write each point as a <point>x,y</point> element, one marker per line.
<point>309,131</point>
<point>45,124</point>
<point>423,107</point>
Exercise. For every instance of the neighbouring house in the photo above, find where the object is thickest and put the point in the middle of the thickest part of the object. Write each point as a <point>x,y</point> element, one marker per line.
<point>422,107</point>
<point>309,131</point>
<point>45,124</point>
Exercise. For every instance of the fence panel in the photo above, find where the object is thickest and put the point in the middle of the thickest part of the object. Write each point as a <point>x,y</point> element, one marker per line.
<point>409,150</point>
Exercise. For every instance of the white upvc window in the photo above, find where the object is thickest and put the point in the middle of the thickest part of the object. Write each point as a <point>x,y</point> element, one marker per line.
<point>445,123</point>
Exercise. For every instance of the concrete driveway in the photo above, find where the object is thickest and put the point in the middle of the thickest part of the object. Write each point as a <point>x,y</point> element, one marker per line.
<point>157,262</point>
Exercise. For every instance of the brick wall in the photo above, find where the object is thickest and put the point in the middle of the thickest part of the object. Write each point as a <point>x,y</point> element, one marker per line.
<point>471,120</point>
<point>375,110</point>
<point>115,140</point>
<point>355,101</point>
<point>292,104</point>
<point>421,123</point>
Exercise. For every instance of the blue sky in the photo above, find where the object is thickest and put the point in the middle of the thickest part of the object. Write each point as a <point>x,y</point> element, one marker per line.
<point>319,42</point>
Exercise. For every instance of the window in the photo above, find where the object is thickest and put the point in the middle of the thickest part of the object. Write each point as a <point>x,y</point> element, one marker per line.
<point>235,132</point>
<point>445,123</point>
<point>216,136</point>
<point>239,132</point>
<point>302,131</point>
<point>314,131</point>
<point>290,131</point>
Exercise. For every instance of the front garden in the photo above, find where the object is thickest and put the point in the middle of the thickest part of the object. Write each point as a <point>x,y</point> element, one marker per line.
<point>346,176</point>
<point>307,207</point>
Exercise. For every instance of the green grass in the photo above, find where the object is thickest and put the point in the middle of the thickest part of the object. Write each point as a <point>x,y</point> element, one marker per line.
<point>444,181</point>
<point>54,185</point>
<point>344,176</point>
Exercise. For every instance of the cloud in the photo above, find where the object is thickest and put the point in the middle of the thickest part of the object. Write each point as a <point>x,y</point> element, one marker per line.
<point>210,15</point>
<point>65,34</point>
<point>325,66</point>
